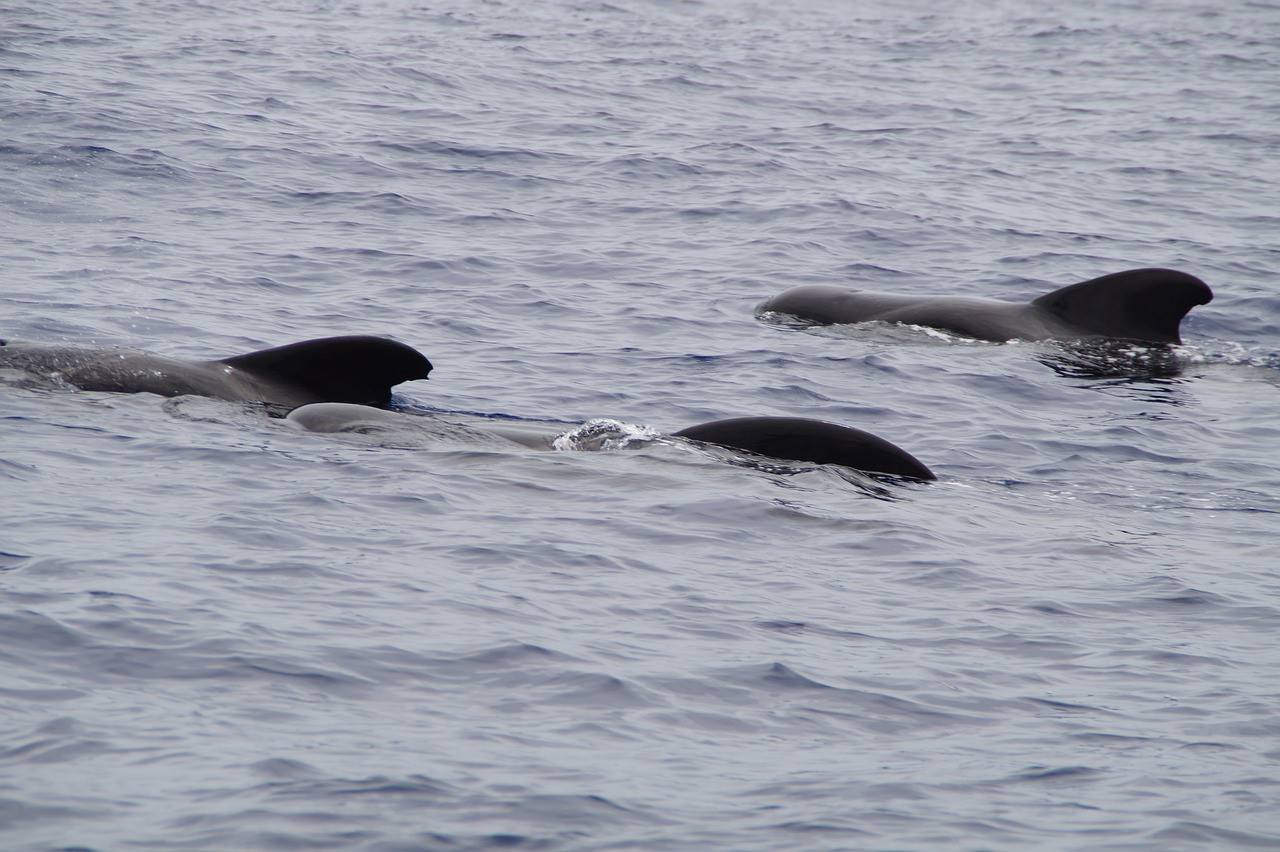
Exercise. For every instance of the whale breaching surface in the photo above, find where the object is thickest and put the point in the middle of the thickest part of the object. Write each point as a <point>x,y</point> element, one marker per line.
<point>355,369</point>
<point>1144,305</point>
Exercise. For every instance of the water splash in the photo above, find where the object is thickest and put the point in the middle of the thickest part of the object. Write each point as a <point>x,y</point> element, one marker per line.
<point>604,434</point>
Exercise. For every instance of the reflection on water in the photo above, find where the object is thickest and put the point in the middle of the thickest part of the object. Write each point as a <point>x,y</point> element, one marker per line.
<point>1114,359</point>
<point>867,482</point>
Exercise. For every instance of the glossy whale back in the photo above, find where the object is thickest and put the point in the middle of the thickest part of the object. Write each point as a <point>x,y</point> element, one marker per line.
<point>341,369</point>
<point>801,439</point>
<point>1140,304</point>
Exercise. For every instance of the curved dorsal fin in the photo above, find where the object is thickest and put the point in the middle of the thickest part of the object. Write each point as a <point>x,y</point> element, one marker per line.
<point>356,369</point>
<point>1140,304</point>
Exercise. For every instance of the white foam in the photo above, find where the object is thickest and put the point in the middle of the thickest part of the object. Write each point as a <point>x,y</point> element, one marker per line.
<point>603,434</point>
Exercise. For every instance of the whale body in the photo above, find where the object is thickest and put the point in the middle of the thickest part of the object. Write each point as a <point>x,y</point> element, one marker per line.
<point>1144,305</point>
<point>786,438</point>
<point>356,369</point>
<point>817,441</point>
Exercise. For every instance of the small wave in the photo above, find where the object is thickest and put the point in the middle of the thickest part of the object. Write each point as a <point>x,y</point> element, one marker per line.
<point>1232,353</point>
<point>591,689</point>
<point>1188,834</point>
<point>879,711</point>
<point>11,561</point>
<point>431,146</point>
<point>58,741</point>
<point>141,163</point>
<point>512,656</point>
<point>635,166</point>
<point>1053,773</point>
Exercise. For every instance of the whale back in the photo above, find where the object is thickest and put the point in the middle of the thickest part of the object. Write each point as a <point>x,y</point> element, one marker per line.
<point>1140,304</point>
<point>816,441</point>
<point>830,304</point>
<point>359,369</point>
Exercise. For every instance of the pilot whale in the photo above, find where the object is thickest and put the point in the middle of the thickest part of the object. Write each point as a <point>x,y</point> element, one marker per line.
<point>355,369</point>
<point>1144,305</point>
<point>817,441</point>
<point>786,438</point>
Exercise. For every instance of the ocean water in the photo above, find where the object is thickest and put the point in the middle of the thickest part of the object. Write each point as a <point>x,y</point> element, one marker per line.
<point>220,632</point>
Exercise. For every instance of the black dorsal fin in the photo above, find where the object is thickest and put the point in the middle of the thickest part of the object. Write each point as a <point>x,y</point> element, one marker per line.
<point>356,369</point>
<point>817,441</point>
<point>1141,304</point>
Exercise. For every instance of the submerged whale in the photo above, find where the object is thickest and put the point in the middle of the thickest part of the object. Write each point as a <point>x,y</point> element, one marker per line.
<point>1141,304</point>
<point>786,438</point>
<point>356,369</point>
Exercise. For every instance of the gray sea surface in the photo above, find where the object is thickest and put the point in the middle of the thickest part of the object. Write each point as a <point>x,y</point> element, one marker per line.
<point>218,631</point>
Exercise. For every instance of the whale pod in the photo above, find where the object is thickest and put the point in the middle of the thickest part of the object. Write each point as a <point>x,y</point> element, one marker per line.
<point>1141,304</point>
<point>358,369</point>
